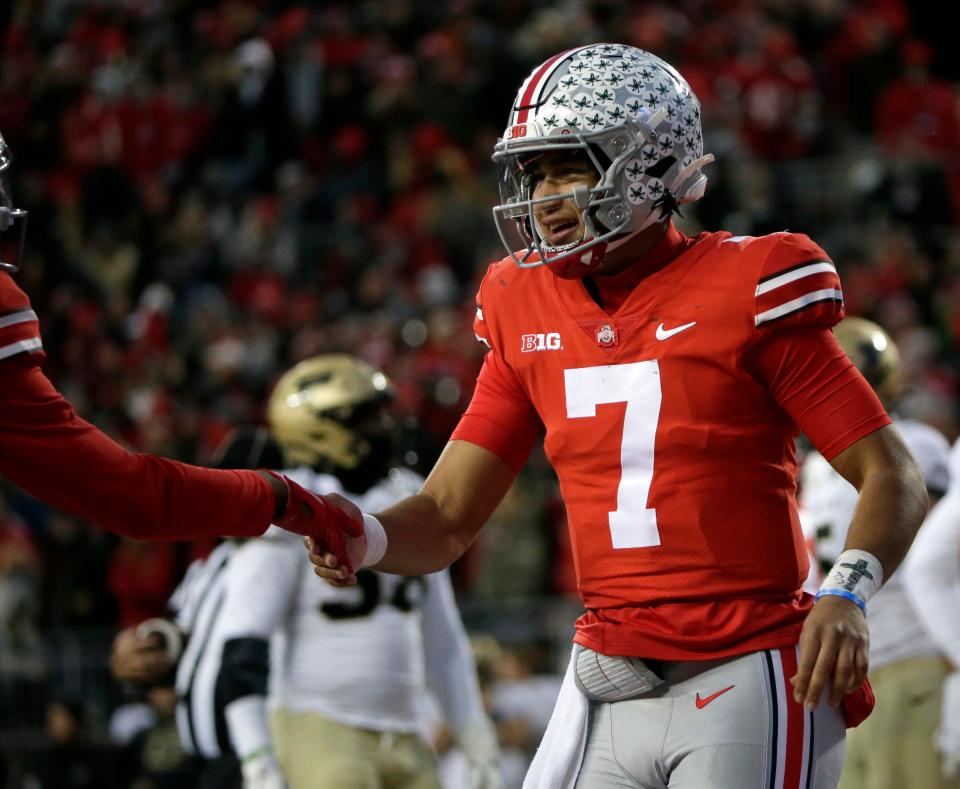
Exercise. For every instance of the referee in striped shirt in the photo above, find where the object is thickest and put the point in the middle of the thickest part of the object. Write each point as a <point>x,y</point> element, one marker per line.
<point>186,649</point>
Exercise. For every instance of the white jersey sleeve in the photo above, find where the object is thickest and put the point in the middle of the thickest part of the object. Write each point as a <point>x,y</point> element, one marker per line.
<point>931,450</point>
<point>261,583</point>
<point>931,571</point>
<point>450,668</point>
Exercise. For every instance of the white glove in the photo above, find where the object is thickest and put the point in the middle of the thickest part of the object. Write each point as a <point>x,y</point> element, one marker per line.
<point>261,771</point>
<point>478,741</point>
<point>948,734</point>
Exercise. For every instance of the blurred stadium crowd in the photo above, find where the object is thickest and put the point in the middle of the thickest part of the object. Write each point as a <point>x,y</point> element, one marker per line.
<point>219,190</point>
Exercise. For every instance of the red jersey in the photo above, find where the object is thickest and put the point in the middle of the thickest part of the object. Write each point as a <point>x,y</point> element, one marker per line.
<point>50,452</point>
<point>670,424</point>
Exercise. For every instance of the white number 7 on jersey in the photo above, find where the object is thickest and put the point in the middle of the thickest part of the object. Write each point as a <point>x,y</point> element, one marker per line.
<point>632,524</point>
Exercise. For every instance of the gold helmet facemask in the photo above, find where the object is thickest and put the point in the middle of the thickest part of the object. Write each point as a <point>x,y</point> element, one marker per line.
<point>874,353</point>
<point>328,412</point>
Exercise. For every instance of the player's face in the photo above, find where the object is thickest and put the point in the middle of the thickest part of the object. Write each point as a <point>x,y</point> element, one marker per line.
<point>558,173</point>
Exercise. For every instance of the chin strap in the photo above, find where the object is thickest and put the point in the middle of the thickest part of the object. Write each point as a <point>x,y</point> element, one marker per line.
<point>579,266</point>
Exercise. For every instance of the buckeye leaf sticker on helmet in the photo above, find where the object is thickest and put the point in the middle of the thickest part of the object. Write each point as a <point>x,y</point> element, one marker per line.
<point>638,123</point>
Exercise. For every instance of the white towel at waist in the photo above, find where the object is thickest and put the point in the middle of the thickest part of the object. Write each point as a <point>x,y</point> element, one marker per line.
<point>557,761</point>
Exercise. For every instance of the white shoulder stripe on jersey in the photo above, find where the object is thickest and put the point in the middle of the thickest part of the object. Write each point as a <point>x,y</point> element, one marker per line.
<point>827,294</point>
<point>479,314</point>
<point>483,340</point>
<point>792,276</point>
<point>31,344</point>
<point>22,316</point>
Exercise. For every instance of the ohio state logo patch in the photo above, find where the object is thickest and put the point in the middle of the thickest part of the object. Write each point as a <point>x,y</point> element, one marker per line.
<point>606,335</point>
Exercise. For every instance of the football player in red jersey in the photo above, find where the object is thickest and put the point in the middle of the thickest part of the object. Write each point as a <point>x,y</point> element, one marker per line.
<point>671,375</point>
<point>49,451</point>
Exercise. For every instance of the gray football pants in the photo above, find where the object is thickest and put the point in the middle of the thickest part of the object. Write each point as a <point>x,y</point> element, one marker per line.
<point>724,724</point>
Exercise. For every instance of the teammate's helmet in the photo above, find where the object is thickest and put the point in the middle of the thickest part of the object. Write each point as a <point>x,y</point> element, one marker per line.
<point>328,413</point>
<point>13,221</point>
<point>637,121</point>
<point>874,354</point>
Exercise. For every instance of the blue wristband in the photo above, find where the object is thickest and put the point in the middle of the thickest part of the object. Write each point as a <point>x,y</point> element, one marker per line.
<point>843,593</point>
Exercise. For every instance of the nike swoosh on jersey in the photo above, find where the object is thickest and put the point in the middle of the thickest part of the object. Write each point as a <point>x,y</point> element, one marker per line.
<point>701,703</point>
<point>666,334</point>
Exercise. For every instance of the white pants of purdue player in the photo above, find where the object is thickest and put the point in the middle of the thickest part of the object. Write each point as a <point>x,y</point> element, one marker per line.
<point>724,724</point>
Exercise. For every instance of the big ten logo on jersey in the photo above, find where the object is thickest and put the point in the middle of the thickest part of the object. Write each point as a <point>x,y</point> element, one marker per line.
<point>372,590</point>
<point>550,341</point>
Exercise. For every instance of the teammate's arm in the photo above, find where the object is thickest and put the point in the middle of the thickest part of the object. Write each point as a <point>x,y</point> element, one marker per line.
<point>53,454</point>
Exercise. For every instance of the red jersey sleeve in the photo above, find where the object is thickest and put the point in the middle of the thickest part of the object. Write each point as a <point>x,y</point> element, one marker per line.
<point>797,285</point>
<point>500,416</point>
<point>49,451</point>
<point>19,328</point>
<point>814,381</point>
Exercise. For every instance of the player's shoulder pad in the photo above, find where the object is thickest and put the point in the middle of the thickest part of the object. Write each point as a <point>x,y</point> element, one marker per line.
<point>930,448</point>
<point>405,481</point>
<point>796,283</point>
<point>398,484</point>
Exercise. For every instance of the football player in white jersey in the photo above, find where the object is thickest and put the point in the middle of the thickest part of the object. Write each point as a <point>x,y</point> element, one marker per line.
<point>347,667</point>
<point>932,579</point>
<point>894,747</point>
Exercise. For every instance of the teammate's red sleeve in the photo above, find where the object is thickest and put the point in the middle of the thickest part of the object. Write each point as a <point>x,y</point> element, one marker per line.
<point>19,327</point>
<point>50,452</point>
<point>500,417</point>
<point>815,382</point>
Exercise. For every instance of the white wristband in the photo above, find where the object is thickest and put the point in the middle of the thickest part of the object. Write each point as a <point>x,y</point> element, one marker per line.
<point>856,575</point>
<point>376,540</point>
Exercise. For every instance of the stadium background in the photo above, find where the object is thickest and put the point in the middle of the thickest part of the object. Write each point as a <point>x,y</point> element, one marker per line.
<point>218,190</point>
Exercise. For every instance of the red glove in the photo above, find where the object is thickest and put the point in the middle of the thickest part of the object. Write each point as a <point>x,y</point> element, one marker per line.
<point>315,517</point>
<point>858,705</point>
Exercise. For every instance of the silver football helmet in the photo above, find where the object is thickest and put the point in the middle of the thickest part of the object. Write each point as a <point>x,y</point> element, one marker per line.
<point>637,121</point>
<point>13,221</point>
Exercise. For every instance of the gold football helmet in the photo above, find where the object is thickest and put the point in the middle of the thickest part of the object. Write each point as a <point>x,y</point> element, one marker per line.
<point>874,354</point>
<point>327,413</point>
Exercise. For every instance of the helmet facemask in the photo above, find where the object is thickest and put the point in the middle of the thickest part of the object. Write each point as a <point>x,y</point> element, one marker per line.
<point>13,221</point>
<point>634,117</point>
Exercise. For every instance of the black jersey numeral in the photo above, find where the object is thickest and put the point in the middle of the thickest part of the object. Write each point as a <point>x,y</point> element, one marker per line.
<point>406,596</point>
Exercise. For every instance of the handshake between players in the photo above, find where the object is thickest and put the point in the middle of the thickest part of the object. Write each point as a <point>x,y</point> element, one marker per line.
<point>335,537</point>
